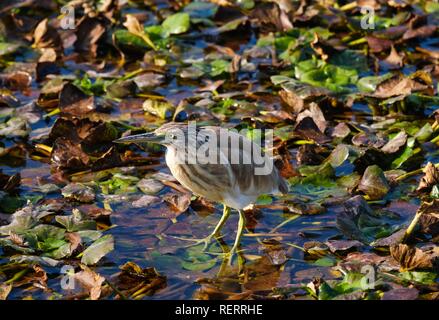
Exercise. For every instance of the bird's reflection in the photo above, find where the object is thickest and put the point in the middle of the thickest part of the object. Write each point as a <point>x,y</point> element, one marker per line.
<point>244,280</point>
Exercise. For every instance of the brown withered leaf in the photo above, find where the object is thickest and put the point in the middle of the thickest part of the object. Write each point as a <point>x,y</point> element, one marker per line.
<point>315,249</point>
<point>356,260</point>
<point>121,89</point>
<point>9,183</point>
<point>93,137</point>
<point>209,85</point>
<point>364,258</point>
<point>296,95</point>
<point>402,86</point>
<point>396,143</point>
<point>274,117</point>
<point>429,220</point>
<point>297,206</point>
<point>46,36</point>
<point>326,48</point>
<point>68,156</point>
<point>430,178</point>
<point>310,154</point>
<point>311,273</point>
<point>366,139</point>
<point>432,54</point>
<point>308,129</point>
<point>108,159</point>
<point>16,80</point>
<point>271,17</point>
<point>133,278</point>
<point>149,80</point>
<point>261,275</point>
<point>275,251</point>
<point>419,28</point>
<point>145,201</point>
<point>74,239</point>
<point>314,112</point>
<point>401,294</point>
<point>375,4</point>
<point>180,202</point>
<point>411,258</point>
<point>5,289</point>
<point>37,276</point>
<point>294,102</point>
<point>341,130</point>
<point>74,101</point>
<point>284,165</point>
<point>391,240</point>
<point>342,245</point>
<point>94,212</point>
<point>90,281</point>
<point>47,55</point>
<point>393,61</point>
<point>16,239</point>
<point>88,33</point>
<point>49,95</point>
<point>378,44</point>
<point>215,291</point>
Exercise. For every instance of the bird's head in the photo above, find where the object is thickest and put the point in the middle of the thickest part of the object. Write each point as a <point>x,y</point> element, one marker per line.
<point>170,135</point>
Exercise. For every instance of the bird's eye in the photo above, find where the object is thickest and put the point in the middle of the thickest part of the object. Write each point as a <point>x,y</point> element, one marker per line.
<point>172,136</point>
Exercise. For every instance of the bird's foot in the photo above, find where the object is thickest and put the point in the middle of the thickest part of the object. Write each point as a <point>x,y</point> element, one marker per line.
<point>206,241</point>
<point>227,257</point>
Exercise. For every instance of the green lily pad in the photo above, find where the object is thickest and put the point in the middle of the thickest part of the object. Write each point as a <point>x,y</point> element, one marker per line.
<point>8,48</point>
<point>325,262</point>
<point>370,83</point>
<point>201,10</point>
<point>196,260</point>
<point>127,39</point>
<point>97,250</point>
<point>176,24</point>
<point>324,75</point>
<point>374,183</point>
<point>76,222</point>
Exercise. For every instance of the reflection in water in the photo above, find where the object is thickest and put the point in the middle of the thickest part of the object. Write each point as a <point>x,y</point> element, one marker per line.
<point>240,282</point>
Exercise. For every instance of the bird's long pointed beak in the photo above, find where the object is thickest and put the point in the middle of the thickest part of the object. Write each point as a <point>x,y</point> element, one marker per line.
<point>139,138</point>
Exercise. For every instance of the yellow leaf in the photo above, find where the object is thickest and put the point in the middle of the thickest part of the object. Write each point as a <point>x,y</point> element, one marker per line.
<point>133,26</point>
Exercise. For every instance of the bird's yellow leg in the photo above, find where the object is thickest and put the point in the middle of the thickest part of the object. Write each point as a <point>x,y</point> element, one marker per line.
<point>241,226</point>
<point>220,224</point>
<point>216,232</point>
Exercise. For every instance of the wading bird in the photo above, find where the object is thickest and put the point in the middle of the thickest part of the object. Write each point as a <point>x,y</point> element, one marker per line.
<point>218,164</point>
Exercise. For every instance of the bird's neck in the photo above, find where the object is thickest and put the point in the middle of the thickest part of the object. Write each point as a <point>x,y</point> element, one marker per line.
<point>173,156</point>
<point>180,155</point>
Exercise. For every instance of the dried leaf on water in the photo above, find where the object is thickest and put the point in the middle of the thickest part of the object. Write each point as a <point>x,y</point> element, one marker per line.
<point>411,258</point>
<point>135,281</point>
<point>430,178</point>
<point>90,281</point>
